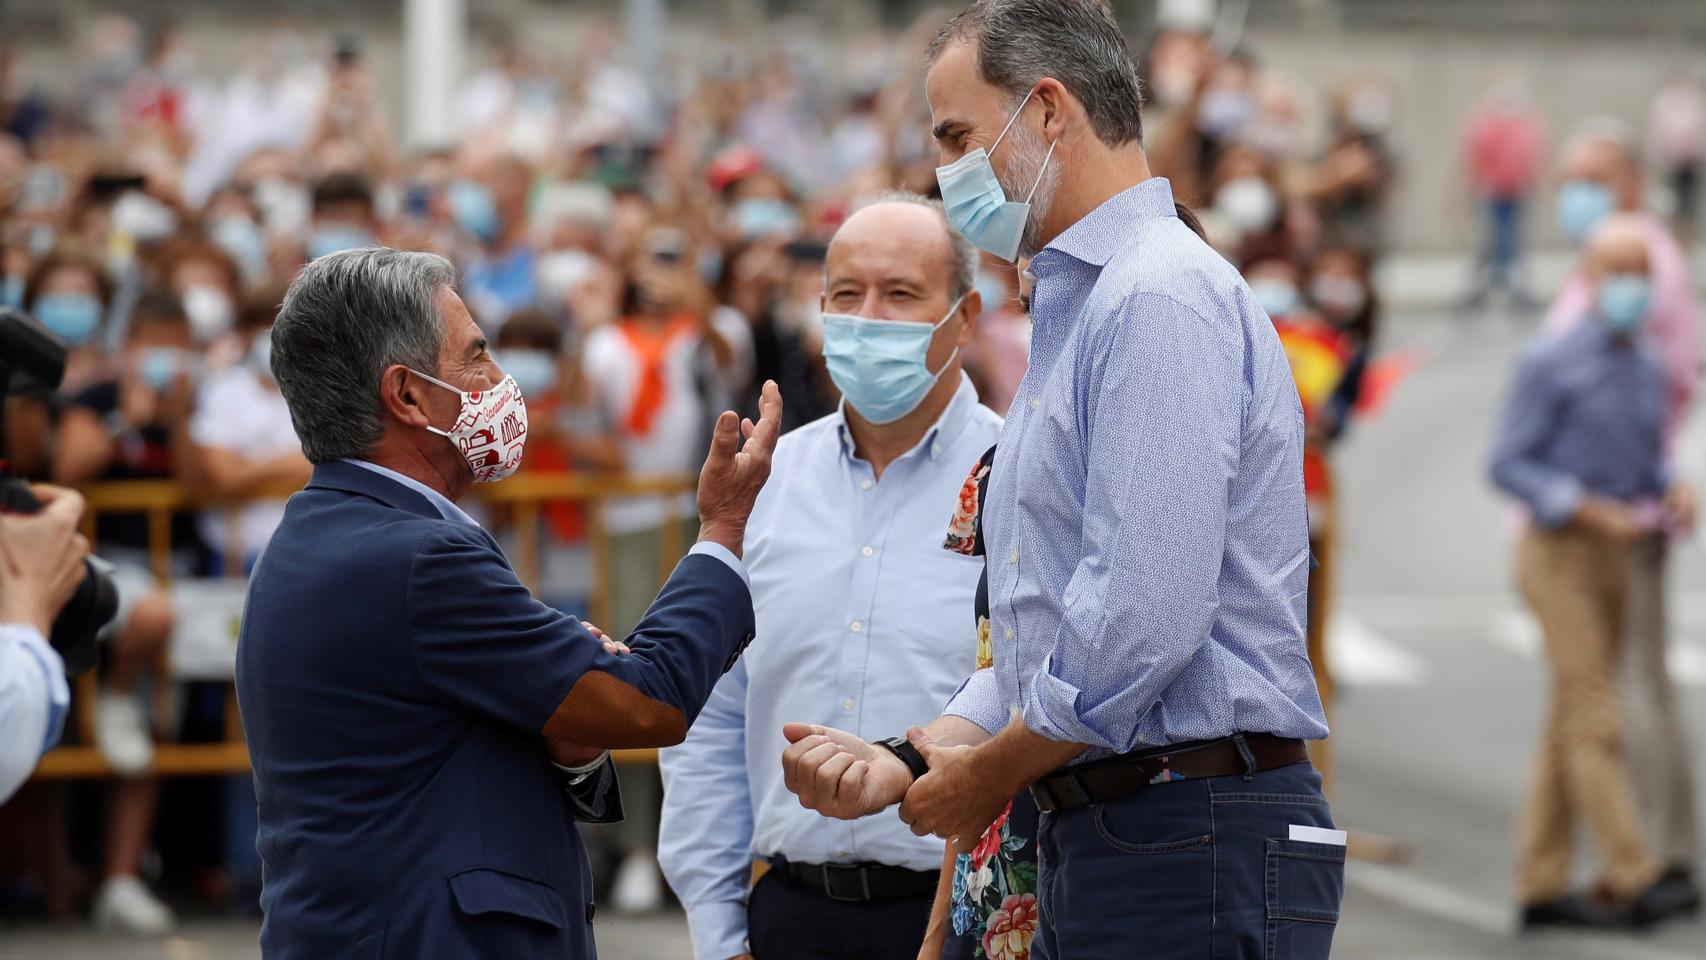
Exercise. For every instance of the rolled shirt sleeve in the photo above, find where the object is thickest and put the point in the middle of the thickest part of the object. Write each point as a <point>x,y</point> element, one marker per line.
<point>1165,408</point>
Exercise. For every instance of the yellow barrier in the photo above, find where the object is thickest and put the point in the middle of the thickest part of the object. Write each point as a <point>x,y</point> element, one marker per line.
<point>524,494</point>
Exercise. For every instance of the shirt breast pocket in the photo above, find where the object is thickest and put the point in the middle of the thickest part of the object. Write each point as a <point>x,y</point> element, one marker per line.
<point>934,607</point>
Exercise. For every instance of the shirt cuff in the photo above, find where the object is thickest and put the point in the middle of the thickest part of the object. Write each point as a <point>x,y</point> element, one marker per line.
<point>979,700</point>
<point>718,929</point>
<point>1557,502</point>
<point>53,674</point>
<point>1051,710</point>
<point>579,773</point>
<point>706,548</point>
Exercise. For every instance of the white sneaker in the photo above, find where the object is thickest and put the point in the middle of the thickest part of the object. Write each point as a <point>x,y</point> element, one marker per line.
<point>125,905</point>
<point>638,887</point>
<point>121,731</point>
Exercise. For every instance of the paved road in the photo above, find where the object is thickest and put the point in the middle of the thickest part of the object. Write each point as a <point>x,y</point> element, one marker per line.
<point>1442,697</point>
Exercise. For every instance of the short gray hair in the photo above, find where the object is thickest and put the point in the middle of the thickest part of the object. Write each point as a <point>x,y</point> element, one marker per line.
<point>346,318</point>
<point>962,270</point>
<point>1077,42</point>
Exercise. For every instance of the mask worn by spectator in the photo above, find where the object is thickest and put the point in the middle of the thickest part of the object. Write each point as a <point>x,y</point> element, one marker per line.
<point>1621,300</point>
<point>1582,204</point>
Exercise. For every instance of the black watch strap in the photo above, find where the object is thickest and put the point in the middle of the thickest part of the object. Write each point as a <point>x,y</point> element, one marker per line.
<point>908,755</point>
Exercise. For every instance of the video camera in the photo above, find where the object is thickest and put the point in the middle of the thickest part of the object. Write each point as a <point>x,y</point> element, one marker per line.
<point>32,361</point>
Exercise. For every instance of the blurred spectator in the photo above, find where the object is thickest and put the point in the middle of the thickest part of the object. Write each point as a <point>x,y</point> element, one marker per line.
<point>1503,142</point>
<point>1676,139</point>
<point>1581,444</point>
<point>1001,342</point>
<point>565,434</point>
<point>344,216</point>
<point>245,441</point>
<point>489,205</point>
<point>1601,174</point>
<point>1354,178</point>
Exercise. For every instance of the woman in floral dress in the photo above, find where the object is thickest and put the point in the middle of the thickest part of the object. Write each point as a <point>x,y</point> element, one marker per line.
<point>987,903</point>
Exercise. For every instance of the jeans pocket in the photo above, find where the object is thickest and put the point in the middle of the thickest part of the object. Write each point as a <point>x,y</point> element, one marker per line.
<point>1305,883</point>
<point>1110,834</point>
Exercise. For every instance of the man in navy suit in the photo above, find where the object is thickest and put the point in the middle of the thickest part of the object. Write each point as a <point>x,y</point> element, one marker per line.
<point>424,732</point>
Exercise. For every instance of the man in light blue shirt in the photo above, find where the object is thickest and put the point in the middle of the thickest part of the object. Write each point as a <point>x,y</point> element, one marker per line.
<point>866,619</point>
<point>1146,534</point>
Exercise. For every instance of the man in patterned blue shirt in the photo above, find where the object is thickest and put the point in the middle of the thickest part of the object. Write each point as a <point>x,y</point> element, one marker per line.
<point>1146,536</point>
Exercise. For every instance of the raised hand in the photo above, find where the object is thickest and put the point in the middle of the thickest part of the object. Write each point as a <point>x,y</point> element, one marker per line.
<point>838,774</point>
<point>734,472</point>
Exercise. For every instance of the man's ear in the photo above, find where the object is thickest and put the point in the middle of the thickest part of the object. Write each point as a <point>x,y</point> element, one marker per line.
<point>403,396</point>
<point>970,309</point>
<point>1057,105</point>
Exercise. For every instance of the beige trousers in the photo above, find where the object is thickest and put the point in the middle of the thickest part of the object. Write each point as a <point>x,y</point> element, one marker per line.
<point>1654,737</point>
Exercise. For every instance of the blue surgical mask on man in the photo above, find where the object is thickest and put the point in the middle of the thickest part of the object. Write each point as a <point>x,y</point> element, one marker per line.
<point>881,366</point>
<point>1582,204</point>
<point>158,366</point>
<point>535,371</point>
<point>334,237</point>
<point>1276,297</point>
<point>74,317</point>
<point>1622,300</point>
<point>977,204</point>
<point>474,209</point>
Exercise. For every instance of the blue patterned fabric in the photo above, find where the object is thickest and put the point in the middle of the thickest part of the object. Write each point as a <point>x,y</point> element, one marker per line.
<point>1146,532</point>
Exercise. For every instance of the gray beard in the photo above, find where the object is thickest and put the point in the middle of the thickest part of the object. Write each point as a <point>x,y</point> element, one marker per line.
<point>1024,161</point>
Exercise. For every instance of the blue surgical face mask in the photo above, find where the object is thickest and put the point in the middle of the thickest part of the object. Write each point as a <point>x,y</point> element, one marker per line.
<point>764,217</point>
<point>880,366</point>
<point>260,354</point>
<point>1277,298</point>
<point>1622,300</point>
<point>334,237</point>
<point>977,204</point>
<point>243,240</point>
<point>74,317</point>
<point>993,290</point>
<point>474,209</point>
<point>1582,204</point>
<point>159,365</point>
<point>12,291</point>
<point>535,371</point>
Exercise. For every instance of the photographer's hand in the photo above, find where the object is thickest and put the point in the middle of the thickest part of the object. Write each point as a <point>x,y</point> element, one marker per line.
<point>41,558</point>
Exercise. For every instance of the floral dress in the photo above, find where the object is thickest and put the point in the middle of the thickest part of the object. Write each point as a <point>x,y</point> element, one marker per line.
<point>993,910</point>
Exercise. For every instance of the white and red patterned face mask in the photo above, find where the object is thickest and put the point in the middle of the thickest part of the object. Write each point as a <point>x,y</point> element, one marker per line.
<point>490,430</point>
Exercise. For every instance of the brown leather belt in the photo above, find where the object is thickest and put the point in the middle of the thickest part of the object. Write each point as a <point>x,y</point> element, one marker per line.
<point>1104,780</point>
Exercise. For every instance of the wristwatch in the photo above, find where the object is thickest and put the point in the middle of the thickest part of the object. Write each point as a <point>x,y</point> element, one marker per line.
<point>908,755</point>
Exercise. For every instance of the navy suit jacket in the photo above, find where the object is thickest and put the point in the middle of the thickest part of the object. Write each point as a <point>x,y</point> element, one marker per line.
<point>394,677</point>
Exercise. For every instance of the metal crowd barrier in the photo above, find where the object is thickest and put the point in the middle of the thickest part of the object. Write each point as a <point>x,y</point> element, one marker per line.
<point>524,495</point>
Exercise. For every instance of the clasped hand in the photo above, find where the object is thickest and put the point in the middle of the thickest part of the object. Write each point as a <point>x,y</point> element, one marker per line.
<point>840,775</point>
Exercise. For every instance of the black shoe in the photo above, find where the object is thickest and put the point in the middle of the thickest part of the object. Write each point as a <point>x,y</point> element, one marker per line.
<point>1685,875</point>
<point>1672,895</point>
<point>1573,911</point>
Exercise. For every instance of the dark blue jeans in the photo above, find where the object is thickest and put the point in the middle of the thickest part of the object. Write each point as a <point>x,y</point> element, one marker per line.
<point>1193,868</point>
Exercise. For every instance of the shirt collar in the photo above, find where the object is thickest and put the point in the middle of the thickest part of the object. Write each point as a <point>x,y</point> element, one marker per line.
<point>1096,237</point>
<point>446,508</point>
<point>943,432</point>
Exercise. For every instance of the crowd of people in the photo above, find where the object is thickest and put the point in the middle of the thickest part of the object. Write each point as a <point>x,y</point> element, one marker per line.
<point>639,252</point>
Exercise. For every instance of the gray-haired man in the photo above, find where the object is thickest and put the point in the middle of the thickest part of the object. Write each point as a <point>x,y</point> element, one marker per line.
<point>403,695</point>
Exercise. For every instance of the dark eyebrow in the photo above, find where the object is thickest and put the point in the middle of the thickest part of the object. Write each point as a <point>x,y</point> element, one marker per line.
<point>945,129</point>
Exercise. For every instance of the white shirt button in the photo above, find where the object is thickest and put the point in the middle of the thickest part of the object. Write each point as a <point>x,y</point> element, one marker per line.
<point>936,449</point>
<point>866,552</point>
<point>1009,633</point>
<point>864,484</point>
<point>1015,556</point>
<point>848,703</point>
<point>856,626</point>
<point>1033,403</point>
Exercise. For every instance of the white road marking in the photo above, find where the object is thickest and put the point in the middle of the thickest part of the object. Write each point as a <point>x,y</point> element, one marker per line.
<point>1360,656</point>
<point>1403,888</point>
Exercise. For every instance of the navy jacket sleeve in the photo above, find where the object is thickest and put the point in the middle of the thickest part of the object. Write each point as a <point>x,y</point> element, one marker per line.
<point>482,640</point>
